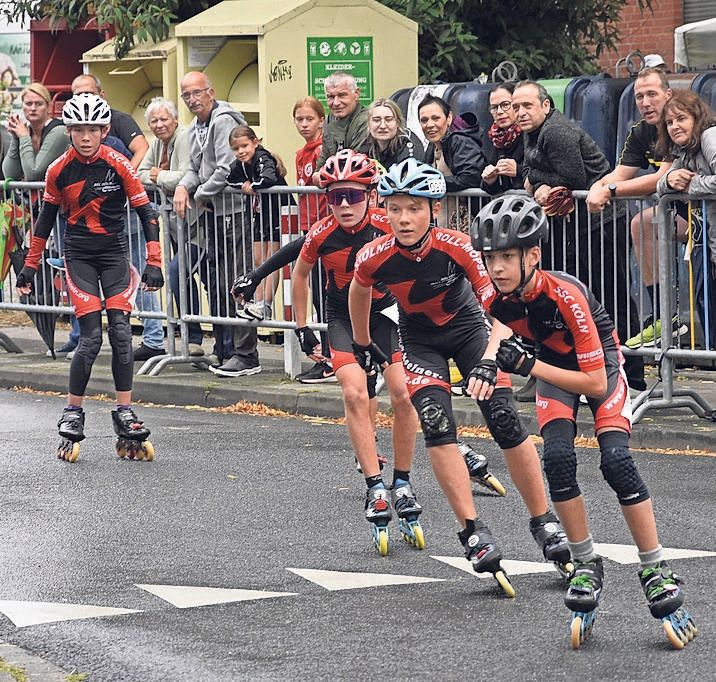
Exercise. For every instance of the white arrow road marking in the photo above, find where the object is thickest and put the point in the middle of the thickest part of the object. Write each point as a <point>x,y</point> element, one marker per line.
<point>627,554</point>
<point>511,567</point>
<point>345,580</point>
<point>25,613</point>
<point>187,596</point>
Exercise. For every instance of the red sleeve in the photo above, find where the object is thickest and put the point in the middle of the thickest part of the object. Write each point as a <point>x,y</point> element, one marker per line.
<point>574,307</point>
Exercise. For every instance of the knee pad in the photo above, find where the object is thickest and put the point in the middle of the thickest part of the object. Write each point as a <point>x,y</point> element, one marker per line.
<point>619,470</point>
<point>89,344</point>
<point>119,333</point>
<point>560,460</point>
<point>503,420</point>
<point>434,410</point>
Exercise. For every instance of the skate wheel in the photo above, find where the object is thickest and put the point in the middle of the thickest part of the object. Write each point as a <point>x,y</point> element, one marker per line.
<point>673,635</point>
<point>504,582</point>
<point>419,537</point>
<point>73,453</point>
<point>581,627</point>
<point>136,451</point>
<point>380,538</point>
<point>679,628</point>
<point>412,533</point>
<point>565,570</point>
<point>148,450</point>
<point>495,485</point>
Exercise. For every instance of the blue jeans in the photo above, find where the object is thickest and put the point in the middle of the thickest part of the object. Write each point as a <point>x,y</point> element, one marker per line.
<point>147,301</point>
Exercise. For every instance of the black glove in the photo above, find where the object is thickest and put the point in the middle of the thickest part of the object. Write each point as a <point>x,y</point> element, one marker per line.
<point>509,354</point>
<point>486,370</point>
<point>369,356</point>
<point>25,276</point>
<point>153,277</point>
<point>244,286</point>
<point>307,339</point>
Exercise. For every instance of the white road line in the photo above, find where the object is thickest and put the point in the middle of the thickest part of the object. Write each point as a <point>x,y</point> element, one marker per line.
<point>346,580</point>
<point>26,613</point>
<point>187,596</point>
<point>627,554</point>
<point>510,566</point>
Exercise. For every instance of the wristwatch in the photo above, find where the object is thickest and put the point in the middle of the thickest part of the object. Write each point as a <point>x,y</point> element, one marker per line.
<point>612,189</point>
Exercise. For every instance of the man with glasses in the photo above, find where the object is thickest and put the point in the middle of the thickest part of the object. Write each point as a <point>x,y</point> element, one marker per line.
<point>347,123</point>
<point>219,246</point>
<point>561,157</point>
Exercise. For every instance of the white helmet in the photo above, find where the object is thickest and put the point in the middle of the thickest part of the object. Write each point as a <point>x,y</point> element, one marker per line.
<point>85,110</point>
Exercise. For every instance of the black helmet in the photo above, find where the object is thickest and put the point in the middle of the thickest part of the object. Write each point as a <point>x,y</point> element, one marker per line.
<point>507,222</point>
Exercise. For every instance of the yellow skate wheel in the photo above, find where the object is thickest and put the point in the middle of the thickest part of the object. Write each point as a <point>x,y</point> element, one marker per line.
<point>148,450</point>
<point>504,582</point>
<point>73,453</point>
<point>673,635</point>
<point>576,632</point>
<point>419,537</point>
<point>495,485</point>
<point>381,541</point>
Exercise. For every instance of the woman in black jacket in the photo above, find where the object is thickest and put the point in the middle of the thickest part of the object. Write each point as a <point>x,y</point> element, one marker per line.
<point>455,149</point>
<point>506,150</point>
<point>389,140</point>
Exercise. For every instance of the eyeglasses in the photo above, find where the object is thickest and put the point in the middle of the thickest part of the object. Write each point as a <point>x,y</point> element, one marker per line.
<point>351,196</point>
<point>193,94</point>
<point>505,106</point>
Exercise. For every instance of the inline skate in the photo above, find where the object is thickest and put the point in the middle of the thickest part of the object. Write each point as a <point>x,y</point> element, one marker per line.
<point>582,598</point>
<point>482,551</point>
<point>661,587</point>
<point>132,435</point>
<point>377,511</point>
<point>71,428</point>
<point>552,540</point>
<point>477,466</point>
<point>408,510</point>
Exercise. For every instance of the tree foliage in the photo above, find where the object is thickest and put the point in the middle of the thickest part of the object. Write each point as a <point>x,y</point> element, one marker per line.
<point>457,40</point>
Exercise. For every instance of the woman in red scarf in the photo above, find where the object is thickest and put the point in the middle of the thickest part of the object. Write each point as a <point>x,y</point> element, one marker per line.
<point>506,149</point>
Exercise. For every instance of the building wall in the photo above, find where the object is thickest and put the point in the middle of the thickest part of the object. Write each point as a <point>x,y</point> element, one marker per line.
<point>650,32</point>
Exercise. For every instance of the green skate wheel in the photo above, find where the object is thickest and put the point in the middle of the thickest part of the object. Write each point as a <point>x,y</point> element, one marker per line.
<point>504,582</point>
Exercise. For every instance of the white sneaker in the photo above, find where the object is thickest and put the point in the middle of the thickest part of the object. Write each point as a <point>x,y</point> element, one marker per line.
<point>254,310</point>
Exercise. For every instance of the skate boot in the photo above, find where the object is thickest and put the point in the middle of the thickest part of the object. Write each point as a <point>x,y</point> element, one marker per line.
<point>482,551</point>
<point>477,466</point>
<point>71,428</point>
<point>377,511</point>
<point>552,540</point>
<point>407,507</point>
<point>661,587</point>
<point>582,597</point>
<point>131,435</point>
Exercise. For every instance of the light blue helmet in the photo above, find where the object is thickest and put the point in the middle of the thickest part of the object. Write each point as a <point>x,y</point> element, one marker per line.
<point>414,178</point>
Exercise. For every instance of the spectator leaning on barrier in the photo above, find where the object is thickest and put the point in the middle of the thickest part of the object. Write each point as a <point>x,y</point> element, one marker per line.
<point>389,140</point>
<point>37,138</point>
<point>506,149</point>
<point>455,149</point>
<point>561,157</point>
<point>687,130</point>
<point>347,123</point>
<point>167,159</point>
<point>652,92</point>
<point>219,224</point>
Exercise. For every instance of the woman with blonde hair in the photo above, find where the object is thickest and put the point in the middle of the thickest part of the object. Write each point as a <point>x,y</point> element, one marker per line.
<point>37,138</point>
<point>389,140</point>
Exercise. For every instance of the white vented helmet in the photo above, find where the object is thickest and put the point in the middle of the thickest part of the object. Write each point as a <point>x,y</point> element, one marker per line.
<point>85,110</point>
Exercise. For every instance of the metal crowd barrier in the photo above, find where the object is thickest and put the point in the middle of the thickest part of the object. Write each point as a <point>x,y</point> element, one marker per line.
<point>204,252</point>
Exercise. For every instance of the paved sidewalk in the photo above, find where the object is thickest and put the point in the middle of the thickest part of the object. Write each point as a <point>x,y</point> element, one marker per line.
<point>678,429</point>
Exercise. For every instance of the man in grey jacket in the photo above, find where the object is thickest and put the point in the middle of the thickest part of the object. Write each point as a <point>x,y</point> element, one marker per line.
<point>558,153</point>
<point>220,248</point>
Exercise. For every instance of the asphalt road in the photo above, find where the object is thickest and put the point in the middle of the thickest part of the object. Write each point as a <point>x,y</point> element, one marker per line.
<point>250,504</point>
